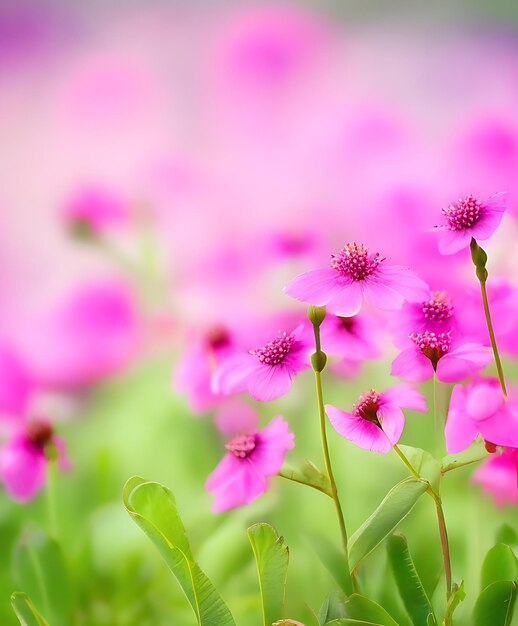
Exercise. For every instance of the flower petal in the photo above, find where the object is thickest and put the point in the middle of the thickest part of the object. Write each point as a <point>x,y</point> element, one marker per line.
<point>392,422</point>
<point>467,359</point>
<point>359,431</point>
<point>269,382</point>
<point>317,287</point>
<point>451,241</point>
<point>460,431</point>
<point>411,364</point>
<point>348,301</point>
<point>272,444</point>
<point>403,395</point>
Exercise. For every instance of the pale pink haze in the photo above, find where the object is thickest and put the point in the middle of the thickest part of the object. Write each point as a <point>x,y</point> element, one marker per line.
<point>356,275</point>
<point>435,314</point>
<point>16,384</point>
<point>265,372</point>
<point>97,209</point>
<point>377,421</point>
<point>480,409</point>
<point>352,338</point>
<point>498,476</point>
<point>442,353</point>
<point>23,461</point>
<point>468,218</point>
<point>252,458</point>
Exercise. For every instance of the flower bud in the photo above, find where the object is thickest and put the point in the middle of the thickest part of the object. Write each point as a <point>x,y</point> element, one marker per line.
<point>318,360</point>
<point>316,314</point>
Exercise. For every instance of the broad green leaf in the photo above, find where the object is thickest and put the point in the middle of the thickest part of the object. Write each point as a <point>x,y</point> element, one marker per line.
<point>153,509</point>
<point>350,622</point>
<point>508,535</point>
<point>271,556</point>
<point>360,608</point>
<point>396,505</point>
<point>39,568</point>
<point>332,608</point>
<point>499,564</point>
<point>475,453</point>
<point>407,579</point>
<point>494,606</point>
<point>308,474</point>
<point>423,462</point>
<point>333,560</point>
<point>25,612</point>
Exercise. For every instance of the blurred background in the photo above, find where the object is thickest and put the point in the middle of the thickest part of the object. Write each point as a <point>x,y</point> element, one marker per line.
<point>166,167</point>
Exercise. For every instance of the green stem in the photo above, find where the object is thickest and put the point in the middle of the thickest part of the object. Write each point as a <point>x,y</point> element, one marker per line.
<point>51,497</point>
<point>443,534</point>
<point>491,330</point>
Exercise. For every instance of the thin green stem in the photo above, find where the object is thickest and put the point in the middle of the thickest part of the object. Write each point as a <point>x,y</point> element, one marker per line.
<point>409,465</point>
<point>491,330</point>
<point>51,497</point>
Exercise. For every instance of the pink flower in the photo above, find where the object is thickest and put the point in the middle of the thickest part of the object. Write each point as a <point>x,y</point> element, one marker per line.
<point>23,460</point>
<point>498,476</point>
<point>442,353</point>
<point>435,314</point>
<point>195,369</point>
<point>356,275</point>
<point>252,457</point>
<point>95,210</point>
<point>352,338</point>
<point>16,384</point>
<point>469,218</point>
<point>479,408</point>
<point>376,422</point>
<point>265,372</point>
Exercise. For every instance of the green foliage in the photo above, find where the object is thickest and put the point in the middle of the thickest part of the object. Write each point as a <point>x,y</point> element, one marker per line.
<point>499,564</point>
<point>360,608</point>
<point>25,611</point>
<point>495,604</point>
<point>272,556</point>
<point>308,474</point>
<point>423,462</point>
<point>39,568</point>
<point>396,505</point>
<point>153,508</point>
<point>332,608</point>
<point>408,582</point>
<point>332,558</point>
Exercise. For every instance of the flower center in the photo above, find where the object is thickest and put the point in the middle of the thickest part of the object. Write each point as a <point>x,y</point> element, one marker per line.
<point>275,351</point>
<point>354,261</point>
<point>367,407</point>
<point>39,432</point>
<point>242,446</point>
<point>432,345</point>
<point>347,323</point>
<point>438,308</point>
<point>464,213</point>
<point>217,337</point>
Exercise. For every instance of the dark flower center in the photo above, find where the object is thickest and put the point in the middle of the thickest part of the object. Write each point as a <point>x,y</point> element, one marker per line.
<point>432,345</point>
<point>347,323</point>
<point>355,262</point>
<point>367,407</point>
<point>438,308</point>
<point>242,446</point>
<point>217,337</point>
<point>463,213</point>
<point>39,432</point>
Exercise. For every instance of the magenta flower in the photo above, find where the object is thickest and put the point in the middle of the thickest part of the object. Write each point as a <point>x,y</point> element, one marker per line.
<point>265,372</point>
<point>196,367</point>
<point>435,314</point>
<point>16,385</point>
<point>252,457</point>
<point>23,460</point>
<point>469,218</point>
<point>95,210</point>
<point>480,409</point>
<point>498,476</point>
<point>376,421</point>
<point>356,275</point>
<point>442,353</point>
<point>352,338</point>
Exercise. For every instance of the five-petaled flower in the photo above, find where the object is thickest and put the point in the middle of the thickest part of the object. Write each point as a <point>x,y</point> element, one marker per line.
<point>469,218</point>
<point>355,275</point>
<point>252,458</point>
<point>377,421</point>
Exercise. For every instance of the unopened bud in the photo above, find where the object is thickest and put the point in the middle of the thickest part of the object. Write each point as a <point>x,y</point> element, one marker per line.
<point>316,314</point>
<point>318,360</point>
<point>478,255</point>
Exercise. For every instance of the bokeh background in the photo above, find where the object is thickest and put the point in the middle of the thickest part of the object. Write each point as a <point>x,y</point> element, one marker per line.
<point>234,144</point>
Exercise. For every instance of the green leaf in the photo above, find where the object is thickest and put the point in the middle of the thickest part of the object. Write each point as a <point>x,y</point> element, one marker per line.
<point>153,508</point>
<point>396,505</point>
<point>360,608</point>
<point>494,606</point>
<point>308,474</point>
<point>408,582</point>
<point>271,556</point>
<point>423,462</point>
<point>508,535</point>
<point>350,622</point>
<point>475,453</point>
<point>499,564</point>
<point>332,608</point>
<point>457,596</point>
<point>39,568</point>
<point>332,558</point>
<point>25,612</point>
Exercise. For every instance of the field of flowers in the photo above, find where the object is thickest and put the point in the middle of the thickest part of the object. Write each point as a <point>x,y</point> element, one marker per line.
<point>259,314</point>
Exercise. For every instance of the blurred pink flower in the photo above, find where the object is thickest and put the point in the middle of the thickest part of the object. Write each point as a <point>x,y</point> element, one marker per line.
<point>469,218</point>
<point>16,385</point>
<point>252,457</point>
<point>265,372</point>
<point>23,460</point>
<point>95,210</point>
<point>356,275</point>
<point>435,314</point>
<point>352,338</point>
<point>235,416</point>
<point>480,409</point>
<point>90,335</point>
<point>443,353</point>
<point>498,476</point>
<point>376,422</point>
